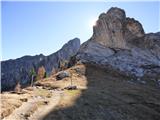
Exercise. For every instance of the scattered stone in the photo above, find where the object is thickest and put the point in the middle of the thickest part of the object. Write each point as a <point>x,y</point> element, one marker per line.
<point>138,79</point>
<point>46,102</point>
<point>38,97</point>
<point>71,88</point>
<point>62,74</point>
<point>130,81</point>
<point>26,116</point>
<point>24,99</point>
<point>40,87</point>
<point>143,82</point>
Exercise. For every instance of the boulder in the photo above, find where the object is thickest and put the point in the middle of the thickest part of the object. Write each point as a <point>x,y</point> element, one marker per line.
<point>71,88</point>
<point>62,74</point>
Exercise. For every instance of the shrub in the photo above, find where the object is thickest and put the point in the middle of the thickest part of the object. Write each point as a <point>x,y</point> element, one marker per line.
<point>18,87</point>
<point>41,73</point>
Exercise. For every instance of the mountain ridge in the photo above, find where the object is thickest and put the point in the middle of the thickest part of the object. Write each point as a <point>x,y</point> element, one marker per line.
<point>19,69</point>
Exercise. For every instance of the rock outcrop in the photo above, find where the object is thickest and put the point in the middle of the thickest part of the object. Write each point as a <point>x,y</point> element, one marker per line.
<point>120,44</point>
<point>62,74</point>
<point>18,70</point>
<point>115,30</point>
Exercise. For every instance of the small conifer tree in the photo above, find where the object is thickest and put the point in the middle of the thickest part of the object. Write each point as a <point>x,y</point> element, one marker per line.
<point>33,74</point>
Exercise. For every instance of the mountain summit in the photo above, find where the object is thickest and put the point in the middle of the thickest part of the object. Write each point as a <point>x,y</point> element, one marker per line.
<point>115,30</point>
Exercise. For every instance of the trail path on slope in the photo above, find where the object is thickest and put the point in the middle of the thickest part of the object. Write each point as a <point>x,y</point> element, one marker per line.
<point>31,110</point>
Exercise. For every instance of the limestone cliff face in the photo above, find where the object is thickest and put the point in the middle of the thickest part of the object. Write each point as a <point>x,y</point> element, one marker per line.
<point>19,69</point>
<point>119,44</point>
<point>115,30</point>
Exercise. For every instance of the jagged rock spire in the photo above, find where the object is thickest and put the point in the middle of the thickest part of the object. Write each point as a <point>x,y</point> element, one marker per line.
<point>113,29</point>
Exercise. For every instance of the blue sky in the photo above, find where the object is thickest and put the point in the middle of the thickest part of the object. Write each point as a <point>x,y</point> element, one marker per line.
<point>30,28</point>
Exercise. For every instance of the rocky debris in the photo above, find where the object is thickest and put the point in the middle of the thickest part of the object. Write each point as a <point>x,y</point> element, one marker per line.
<point>24,99</point>
<point>119,44</point>
<point>71,88</point>
<point>20,69</point>
<point>62,74</point>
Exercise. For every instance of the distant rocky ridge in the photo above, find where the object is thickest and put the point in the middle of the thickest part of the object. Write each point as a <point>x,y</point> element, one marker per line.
<point>19,69</point>
<point>120,44</point>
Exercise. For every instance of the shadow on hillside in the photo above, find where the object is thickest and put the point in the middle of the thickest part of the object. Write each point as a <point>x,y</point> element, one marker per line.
<point>110,97</point>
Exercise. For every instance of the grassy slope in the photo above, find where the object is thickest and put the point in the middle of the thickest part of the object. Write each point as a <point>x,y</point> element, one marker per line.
<point>101,95</point>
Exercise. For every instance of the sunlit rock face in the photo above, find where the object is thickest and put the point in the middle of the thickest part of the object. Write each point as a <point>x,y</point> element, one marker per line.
<point>114,30</point>
<point>119,44</point>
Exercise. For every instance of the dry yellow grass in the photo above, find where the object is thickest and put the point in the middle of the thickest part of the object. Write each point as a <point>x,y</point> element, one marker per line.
<point>9,102</point>
<point>42,93</point>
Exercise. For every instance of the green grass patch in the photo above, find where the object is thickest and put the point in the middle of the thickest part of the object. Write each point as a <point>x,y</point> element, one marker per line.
<point>73,92</point>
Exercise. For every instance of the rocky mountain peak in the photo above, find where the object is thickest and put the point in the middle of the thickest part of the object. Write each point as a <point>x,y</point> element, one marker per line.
<point>120,45</point>
<point>75,43</point>
<point>113,29</point>
<point>117,13</point>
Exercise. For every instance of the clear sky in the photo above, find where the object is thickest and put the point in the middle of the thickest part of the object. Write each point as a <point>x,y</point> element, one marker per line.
<point>30,28</point>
